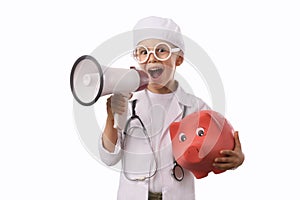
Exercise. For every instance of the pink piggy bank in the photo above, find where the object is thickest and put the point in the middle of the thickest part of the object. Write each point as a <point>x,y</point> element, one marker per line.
<point>198,139</point>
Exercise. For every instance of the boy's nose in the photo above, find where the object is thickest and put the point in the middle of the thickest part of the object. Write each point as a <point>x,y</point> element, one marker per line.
<point>152,58</point>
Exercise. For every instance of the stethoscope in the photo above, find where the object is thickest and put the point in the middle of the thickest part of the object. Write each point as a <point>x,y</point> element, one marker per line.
<point>177,170</point>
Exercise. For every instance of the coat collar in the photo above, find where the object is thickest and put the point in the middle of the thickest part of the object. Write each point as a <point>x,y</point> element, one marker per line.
<point>183,97</point>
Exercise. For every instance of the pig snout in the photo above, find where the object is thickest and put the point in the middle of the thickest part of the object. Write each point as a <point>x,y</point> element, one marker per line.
<point>191,154</point>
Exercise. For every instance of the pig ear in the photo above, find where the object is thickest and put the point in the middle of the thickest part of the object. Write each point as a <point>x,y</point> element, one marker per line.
<point>218,119</point>
<point>204,117</point>
<point>174,129</point>
<point>210,116</point>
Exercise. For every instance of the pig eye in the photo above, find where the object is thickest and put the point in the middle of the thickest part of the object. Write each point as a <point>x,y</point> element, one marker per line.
<point>182,137</point>
<point>200,131</point>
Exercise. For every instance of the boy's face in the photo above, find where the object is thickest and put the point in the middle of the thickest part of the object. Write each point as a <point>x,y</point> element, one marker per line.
<point>161,73</point>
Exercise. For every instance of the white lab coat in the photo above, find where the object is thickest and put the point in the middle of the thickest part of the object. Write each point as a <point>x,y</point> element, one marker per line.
<point>172,189</point>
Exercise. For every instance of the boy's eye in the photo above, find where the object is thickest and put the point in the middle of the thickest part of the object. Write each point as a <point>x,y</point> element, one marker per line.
<point>143,52</point>
<point>182,137</point>
<point>161,50</point>
<point>200,131</point>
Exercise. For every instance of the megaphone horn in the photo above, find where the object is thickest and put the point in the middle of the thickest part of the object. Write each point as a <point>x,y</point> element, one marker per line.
<point>86,73</point>
<point>89,81</point>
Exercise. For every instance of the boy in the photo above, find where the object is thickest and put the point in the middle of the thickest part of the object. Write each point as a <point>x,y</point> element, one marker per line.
<point>145,147</point>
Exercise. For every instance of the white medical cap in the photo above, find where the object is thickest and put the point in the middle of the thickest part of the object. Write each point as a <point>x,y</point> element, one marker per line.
<point>158,28</point>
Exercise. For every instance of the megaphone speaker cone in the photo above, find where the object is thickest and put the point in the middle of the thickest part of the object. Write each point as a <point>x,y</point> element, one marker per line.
<point>86,80</point>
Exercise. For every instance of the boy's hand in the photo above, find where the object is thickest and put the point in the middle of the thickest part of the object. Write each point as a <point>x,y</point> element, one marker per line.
<point>232,158</point>
<point>116,104</point>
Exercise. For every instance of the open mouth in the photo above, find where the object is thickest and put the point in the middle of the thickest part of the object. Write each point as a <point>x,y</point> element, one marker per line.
<point>155,72</point>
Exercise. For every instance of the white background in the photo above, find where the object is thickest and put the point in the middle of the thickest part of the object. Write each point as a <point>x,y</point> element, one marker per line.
<point>255,46</point>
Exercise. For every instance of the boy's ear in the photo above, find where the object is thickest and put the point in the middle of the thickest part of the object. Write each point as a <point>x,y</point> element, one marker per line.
<point>179,60</point>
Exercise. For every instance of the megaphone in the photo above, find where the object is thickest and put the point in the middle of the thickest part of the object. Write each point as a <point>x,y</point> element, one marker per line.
<point>89,81</point>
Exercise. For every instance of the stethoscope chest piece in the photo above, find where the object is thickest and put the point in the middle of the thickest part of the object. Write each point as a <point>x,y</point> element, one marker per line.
<point>177,172</point>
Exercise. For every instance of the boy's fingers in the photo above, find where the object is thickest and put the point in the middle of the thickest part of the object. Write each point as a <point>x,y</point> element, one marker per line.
<point>237,140</point>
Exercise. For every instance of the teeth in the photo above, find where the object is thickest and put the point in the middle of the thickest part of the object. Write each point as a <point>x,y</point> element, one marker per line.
<point>155,68</point>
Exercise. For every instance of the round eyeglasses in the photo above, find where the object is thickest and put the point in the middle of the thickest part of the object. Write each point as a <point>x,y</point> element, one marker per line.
<point>161,51</point>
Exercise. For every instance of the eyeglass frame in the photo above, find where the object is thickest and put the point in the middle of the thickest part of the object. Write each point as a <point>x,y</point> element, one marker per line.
<point>172,50</point>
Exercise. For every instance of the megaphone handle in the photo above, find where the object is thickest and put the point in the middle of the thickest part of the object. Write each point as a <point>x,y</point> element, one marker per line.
<point>120,120</point>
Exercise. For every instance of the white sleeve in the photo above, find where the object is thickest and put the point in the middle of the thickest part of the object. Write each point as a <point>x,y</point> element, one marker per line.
<point>110,158</point>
